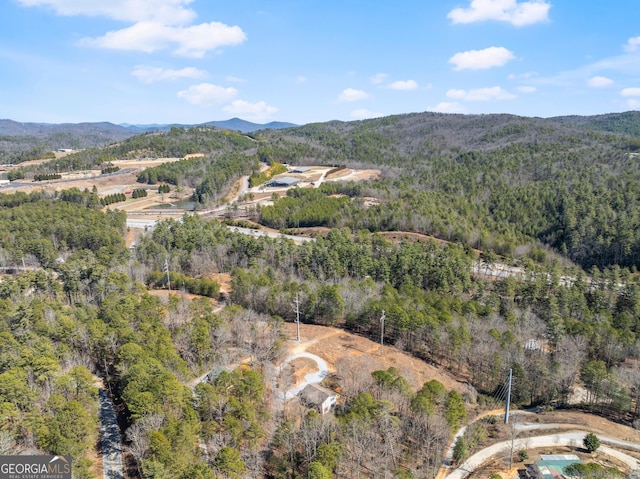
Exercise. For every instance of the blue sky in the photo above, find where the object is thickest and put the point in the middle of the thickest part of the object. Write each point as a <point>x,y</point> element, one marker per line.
<point>192,61</point>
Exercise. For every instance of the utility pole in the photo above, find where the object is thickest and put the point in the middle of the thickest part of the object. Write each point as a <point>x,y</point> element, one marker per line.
<point>382,318</point>
<point>166,270</point>
<point>506,408</point>
<point>297,311</point>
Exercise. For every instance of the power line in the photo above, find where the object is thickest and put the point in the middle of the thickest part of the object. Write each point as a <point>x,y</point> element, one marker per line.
<point>166,270</point>
<point>382,318</point>
<point>499,395</point>
<point>297,311</point>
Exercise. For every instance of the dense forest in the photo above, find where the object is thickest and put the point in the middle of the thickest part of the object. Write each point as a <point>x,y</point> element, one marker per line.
<point>558,201</point>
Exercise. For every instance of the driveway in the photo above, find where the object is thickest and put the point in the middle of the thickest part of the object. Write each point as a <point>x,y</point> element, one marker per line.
<point>311,378</point>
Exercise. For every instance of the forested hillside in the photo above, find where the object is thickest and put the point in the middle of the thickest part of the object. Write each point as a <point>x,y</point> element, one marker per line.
<point>490,181</point>
<point>21,142</point>
<point>226,156</point>
<point>30,141</point>
<point>80,305</point>
<point>90,313</point>
<point>627,122</point>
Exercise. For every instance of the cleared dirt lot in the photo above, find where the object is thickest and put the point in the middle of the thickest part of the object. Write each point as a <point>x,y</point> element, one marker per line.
<point>143,163</point>
<point>353,175</point>
<point>333,344</point>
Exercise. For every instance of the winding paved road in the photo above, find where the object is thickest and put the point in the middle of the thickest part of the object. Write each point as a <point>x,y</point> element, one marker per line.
<point>110,439</point>
<point>569,438</point>
<point>562,439</point>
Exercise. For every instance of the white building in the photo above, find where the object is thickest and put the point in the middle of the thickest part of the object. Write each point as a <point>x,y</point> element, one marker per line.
<point>319,398</point>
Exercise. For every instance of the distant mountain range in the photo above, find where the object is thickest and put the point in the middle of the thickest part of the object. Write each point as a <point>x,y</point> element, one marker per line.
<point>236,124</point>
<point>26,141</point>
<point>14,128</point>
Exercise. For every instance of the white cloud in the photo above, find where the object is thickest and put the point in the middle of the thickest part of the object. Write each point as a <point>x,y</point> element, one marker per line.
<point>233,79</point>
<point>168,12</point>
<point>481,59</point>
<point>154,74</point>
<point>630,92</point>
<point>351,94</point>
<point>633,104</point>
<point>207,94</point>
<point>527,89</point>
<point>363,114</point>
<point>258,111</point>
<point>510,11</point>
<point>447,107</point>
<point>155,25</point>
<point>378,78</point>
<point>599,82</point>
<point>481,94</point>
<point>617,66</point>
<point>404,85</point>
<point>301,79</point>
<point>632,44</point>
<point>192,41</point>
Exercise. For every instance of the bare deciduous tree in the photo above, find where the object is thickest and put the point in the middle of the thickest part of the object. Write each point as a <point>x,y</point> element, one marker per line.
<point>7,443</point>
<point>138,436</point>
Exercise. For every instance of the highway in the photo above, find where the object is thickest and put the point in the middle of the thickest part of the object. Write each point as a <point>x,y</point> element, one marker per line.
<point>270,234</point>
<point>150,224</point>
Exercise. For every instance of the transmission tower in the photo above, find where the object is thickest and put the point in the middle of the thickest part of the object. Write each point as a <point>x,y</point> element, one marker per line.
<point>507,404</point>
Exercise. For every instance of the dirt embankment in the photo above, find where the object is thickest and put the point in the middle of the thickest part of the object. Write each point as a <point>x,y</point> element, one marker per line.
<point>597,424</point>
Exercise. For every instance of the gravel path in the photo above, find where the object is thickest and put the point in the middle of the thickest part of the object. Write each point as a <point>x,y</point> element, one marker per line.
<point>110,439</point>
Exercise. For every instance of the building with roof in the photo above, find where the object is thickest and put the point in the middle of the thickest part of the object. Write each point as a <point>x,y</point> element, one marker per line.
<point>551,466</point>
<point>316,397</point>
<point>283,182</point>
<point>301,169</point>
